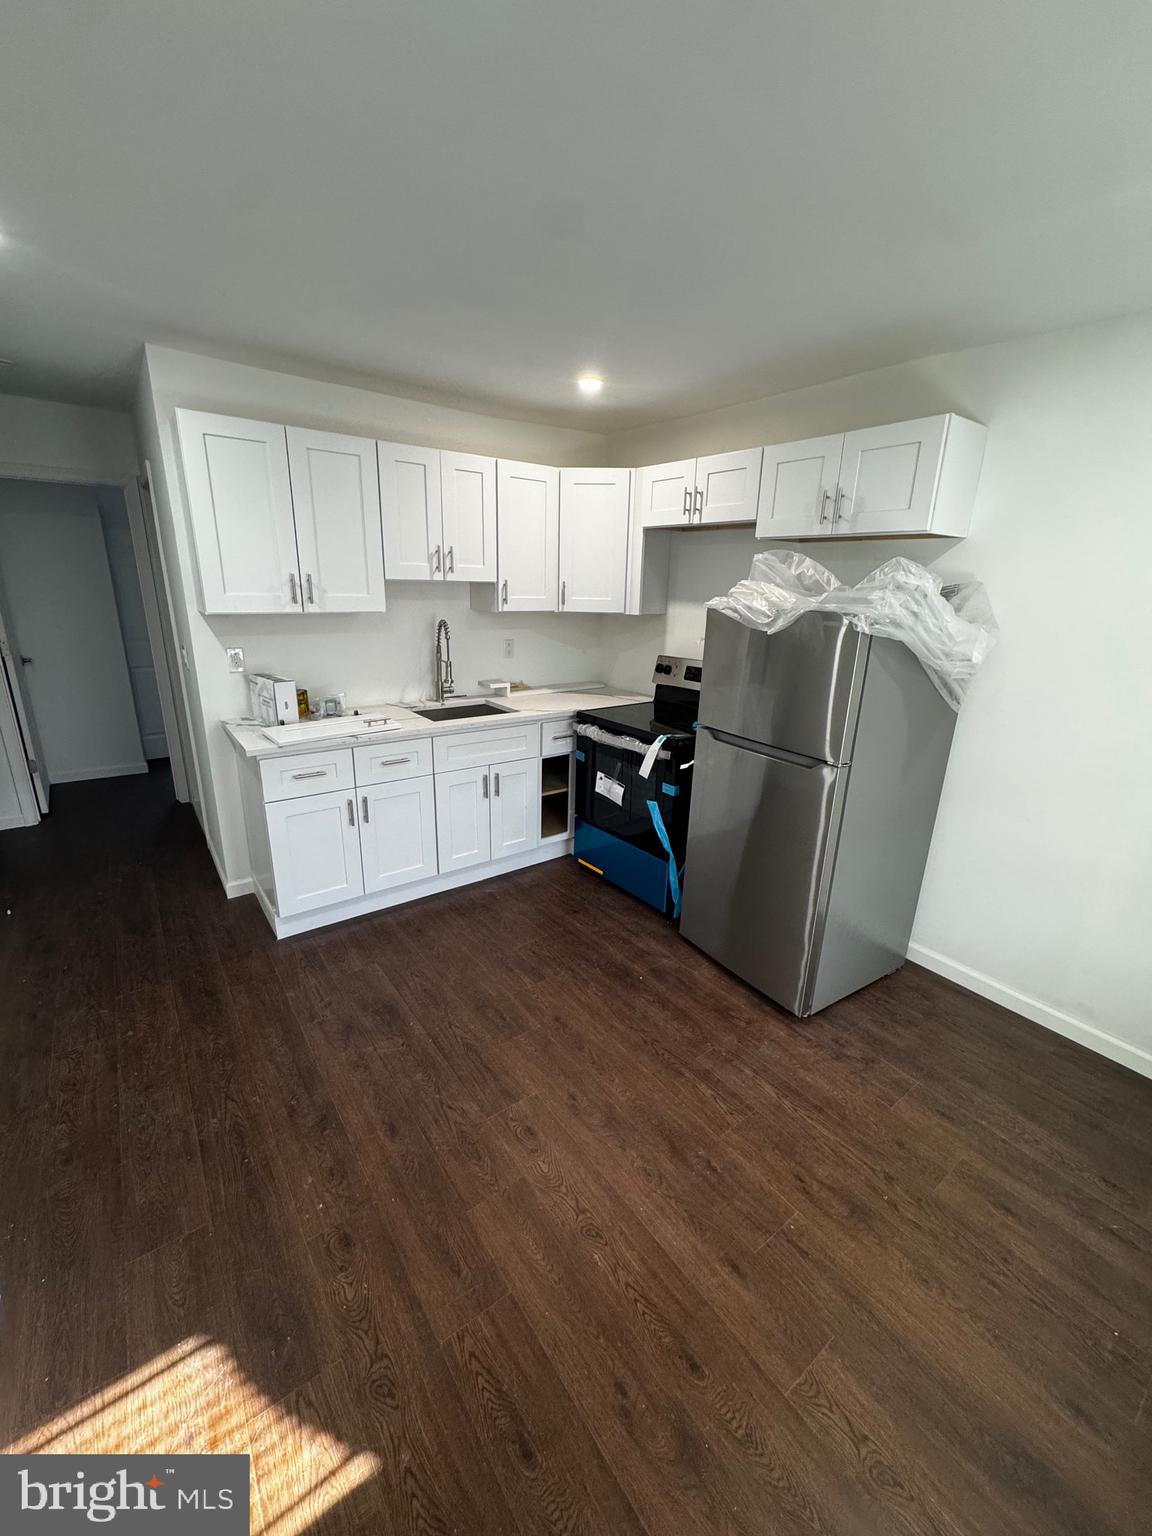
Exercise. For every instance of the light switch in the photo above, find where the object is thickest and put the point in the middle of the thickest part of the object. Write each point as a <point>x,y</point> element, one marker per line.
<point>235,658</point>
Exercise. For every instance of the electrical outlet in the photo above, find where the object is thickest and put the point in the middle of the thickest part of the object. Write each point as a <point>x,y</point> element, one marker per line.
<point>235,658</point>
<point>509,649</point>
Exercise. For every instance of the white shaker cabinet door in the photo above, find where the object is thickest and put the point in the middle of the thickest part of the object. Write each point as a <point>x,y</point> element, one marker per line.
<point>888,477</point>
<point>528,534</point>
<point>398,832</point>
<point>468,490</point>
<point>728,486</point>
<point>240,509</point>
<point>664,494</point>
<point>798,488</point>
<point>336,494</point>
<point>515,807</point>
<point>463,831</point>
<point>410,510</point>
<point>594,540</point>
<point>315,844</point>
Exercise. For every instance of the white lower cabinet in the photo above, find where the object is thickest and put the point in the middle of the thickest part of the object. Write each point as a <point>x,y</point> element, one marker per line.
<point>397,832</point>
<point>515,807</point>
<point>315,847</point>
<point>463,823</point>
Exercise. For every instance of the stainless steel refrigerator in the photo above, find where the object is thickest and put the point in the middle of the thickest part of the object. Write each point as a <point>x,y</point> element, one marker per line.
<point>820,756</point>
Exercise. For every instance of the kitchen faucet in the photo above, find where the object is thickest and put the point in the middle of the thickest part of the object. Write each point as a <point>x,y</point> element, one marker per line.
<point>444,680</point>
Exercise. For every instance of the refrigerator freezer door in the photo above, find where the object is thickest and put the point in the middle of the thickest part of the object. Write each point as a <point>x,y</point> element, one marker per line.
<point>798,690</point>
<point>760,846</point>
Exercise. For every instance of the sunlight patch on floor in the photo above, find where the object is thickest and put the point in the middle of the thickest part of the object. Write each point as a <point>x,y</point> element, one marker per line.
<point>196,1398</point>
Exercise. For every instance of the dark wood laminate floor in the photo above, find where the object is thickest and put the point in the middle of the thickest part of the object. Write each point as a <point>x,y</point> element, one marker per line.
<point>510,1212</point>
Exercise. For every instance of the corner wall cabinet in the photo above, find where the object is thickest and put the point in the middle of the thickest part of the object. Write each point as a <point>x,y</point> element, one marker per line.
<point>339,831</point>
<point>910,477</point>
<point>283,520</point>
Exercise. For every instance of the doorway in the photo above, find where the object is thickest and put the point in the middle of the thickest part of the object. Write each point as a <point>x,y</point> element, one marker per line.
<point>80,673</point>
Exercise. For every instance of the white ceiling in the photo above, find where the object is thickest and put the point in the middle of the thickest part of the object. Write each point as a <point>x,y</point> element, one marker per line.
<point>705,201</point>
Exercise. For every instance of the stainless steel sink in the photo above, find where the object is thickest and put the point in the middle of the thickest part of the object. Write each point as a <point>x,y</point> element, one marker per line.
<point>459,711</point>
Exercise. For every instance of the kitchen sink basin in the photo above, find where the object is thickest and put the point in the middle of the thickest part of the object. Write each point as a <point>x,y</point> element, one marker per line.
<point>459,711</point>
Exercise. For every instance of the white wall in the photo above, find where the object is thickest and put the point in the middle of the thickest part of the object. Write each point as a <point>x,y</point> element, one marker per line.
<point>1038,890</point>
<point>56,590</point>
<point>43,440</point>
<point>372,657</point>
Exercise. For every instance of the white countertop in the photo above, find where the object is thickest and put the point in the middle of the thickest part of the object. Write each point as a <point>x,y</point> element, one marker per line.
<point>248,736</point>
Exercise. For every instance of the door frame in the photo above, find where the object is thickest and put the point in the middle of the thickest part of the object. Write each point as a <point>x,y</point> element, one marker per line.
<point>146,575</point>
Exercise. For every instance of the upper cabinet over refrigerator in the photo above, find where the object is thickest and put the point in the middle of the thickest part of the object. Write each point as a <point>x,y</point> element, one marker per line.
<point>720,488</point>
<point>907,478</point>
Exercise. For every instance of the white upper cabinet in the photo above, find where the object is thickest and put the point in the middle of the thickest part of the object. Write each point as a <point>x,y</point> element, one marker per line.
<point>468,491</point>
<point>910,477</point>
<point>593,540</point>
<point>664,494</point>
<point>336,496</point>
<point>240,509</point>
<point>727,485</point>
<point>528,512</point>
<point>798,488</point>
<point>411,512</point>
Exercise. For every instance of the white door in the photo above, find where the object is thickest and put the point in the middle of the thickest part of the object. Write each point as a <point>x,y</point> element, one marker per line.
<point>336,496</point>
<point>32,750</point>
<point>727,486</point>
<point>398,832</point>
<point>463,830</point>
<point>315,851</point>
<point>240,508</point>
<point>798,488</point>
<point>410,512</point>
<point>664,494</point>
<point>468,489</point>
<point>888,477</point>
<point>515,807</point>
<point>528,523</point>
<point>594,540</point>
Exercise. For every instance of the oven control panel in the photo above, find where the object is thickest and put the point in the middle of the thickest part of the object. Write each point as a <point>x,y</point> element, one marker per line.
<point>678,672</point>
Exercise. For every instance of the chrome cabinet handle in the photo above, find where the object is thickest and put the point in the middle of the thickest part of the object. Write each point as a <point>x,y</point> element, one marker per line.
<point>308,587</point>
<point>836,505</point>
<point>504,592</point>
<point>497,777</point>
<point>292,592</point>
<point>485,786</point>
<point>560,740</point>
<point>313,773</point>
<point>699,498</point>
<point>391,762</point>
<point>364,807</point>
<point>687,508</point>
<point>351,813</point>
<point>451,560</point>
<point>563,593</point>
<point>434,559</point>
<point>823,506</point>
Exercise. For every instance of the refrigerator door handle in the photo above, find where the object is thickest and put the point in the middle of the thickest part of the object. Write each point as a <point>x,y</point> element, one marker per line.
<point>762,749</point>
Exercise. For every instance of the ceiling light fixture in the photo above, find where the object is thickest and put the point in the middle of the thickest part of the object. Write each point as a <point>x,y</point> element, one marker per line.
<point>589,383</point>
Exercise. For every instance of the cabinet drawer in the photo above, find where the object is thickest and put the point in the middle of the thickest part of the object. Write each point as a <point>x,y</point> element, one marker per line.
<point>390,760</point>
<point>475,749</point>
<point>311,773</point>
<point>557,736</point>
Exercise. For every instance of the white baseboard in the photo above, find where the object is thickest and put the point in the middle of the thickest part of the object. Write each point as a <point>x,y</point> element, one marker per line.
<point>1031,1008</point>
<point>231,887</point>
<point>15,820</point>
<point>116,771</point>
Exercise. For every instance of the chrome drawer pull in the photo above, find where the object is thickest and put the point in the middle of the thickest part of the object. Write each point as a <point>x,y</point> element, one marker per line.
<point>392,762</point>
<point>313,773</point>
